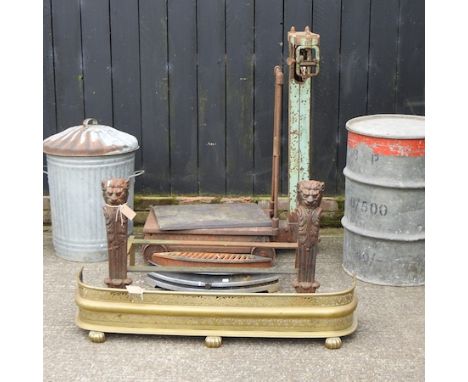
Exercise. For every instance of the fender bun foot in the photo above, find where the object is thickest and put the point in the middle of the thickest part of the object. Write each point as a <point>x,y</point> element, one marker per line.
<point>97,337</point>
<point>333,343</point>
<point>213,342</point>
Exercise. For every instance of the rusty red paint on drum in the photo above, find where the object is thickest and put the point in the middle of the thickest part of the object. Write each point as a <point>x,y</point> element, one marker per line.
<point>389,146</point>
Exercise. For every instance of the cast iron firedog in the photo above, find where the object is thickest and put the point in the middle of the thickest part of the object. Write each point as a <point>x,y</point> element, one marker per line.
<point>307,215</point>
<point>115,193</point>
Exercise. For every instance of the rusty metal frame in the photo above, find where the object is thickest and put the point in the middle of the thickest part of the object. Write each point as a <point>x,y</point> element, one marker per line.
<point>276,160</point>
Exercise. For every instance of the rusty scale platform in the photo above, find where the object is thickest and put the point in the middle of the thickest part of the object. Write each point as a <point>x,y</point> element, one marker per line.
<point>152,230</point>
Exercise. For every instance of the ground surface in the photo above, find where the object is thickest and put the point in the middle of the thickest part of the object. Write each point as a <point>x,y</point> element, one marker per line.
<point>387,346</point>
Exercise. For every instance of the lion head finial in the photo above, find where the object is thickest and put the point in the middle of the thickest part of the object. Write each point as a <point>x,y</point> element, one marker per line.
<point>309,193</point>
<point>115,191</point>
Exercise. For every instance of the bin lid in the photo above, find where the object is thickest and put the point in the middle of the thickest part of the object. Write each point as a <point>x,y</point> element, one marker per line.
<point>90,139</point>
<point>393,126</point>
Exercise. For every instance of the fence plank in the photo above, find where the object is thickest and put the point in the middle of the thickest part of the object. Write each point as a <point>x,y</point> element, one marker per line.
<point>268,53</point>
<point>211,96</point>
<point>97,60</point>
<point>410,83</point>
<point>325,94</point>
<point>239,96</point>
<point>383,55</point>
<point>353,71</point>
<point>183,95</point>
<point>49,122</point>
<point>48,90</point>
<point>68,63</point>
<point>126,70</point>
<point>297,13</point>
<point>154,96</point>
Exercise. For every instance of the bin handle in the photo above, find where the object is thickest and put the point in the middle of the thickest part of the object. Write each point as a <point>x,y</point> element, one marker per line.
<point>137,173</point>
<point>90,121</point>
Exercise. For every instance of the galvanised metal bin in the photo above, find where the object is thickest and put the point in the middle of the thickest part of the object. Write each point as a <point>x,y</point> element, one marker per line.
<point>384,200</point>
<point>78,160</point>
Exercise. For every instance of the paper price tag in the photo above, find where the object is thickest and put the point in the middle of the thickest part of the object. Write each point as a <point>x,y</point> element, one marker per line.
<point>134,289</point>
<point>135,292</point>
<point>127,211</point>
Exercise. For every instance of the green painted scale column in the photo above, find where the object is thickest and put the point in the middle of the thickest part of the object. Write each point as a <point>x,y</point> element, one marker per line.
<point>304,63</point>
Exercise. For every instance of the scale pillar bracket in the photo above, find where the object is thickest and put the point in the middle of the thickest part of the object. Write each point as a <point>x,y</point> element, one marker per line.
<point>304,63</point>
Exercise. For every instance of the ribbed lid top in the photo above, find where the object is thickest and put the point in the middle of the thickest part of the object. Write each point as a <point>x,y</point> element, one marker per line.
<point>90,139</point>
<point>395,126</point>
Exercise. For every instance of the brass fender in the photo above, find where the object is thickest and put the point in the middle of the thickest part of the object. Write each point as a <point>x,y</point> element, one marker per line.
<point>281,315</point>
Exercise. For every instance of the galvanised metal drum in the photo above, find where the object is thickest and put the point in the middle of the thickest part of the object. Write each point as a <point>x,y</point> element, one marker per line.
<point>78,160</point>
<point>384,204</point>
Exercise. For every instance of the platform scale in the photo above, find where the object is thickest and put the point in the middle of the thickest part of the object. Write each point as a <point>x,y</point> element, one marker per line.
<point>228,224</point>
<point>244,222</point>
<point>221,222</point>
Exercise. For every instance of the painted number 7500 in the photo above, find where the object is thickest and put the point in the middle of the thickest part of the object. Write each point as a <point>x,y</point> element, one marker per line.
<point>368,207</point>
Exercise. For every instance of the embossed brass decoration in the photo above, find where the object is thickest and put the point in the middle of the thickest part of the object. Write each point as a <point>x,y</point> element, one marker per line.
<point>280,315</point>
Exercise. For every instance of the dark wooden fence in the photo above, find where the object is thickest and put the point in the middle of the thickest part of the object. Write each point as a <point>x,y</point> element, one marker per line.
<point>193,80</point>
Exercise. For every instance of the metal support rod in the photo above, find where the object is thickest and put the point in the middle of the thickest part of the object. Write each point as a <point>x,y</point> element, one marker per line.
<point>275,173</point>
<point>218,270</point>
<point>218,243</point>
